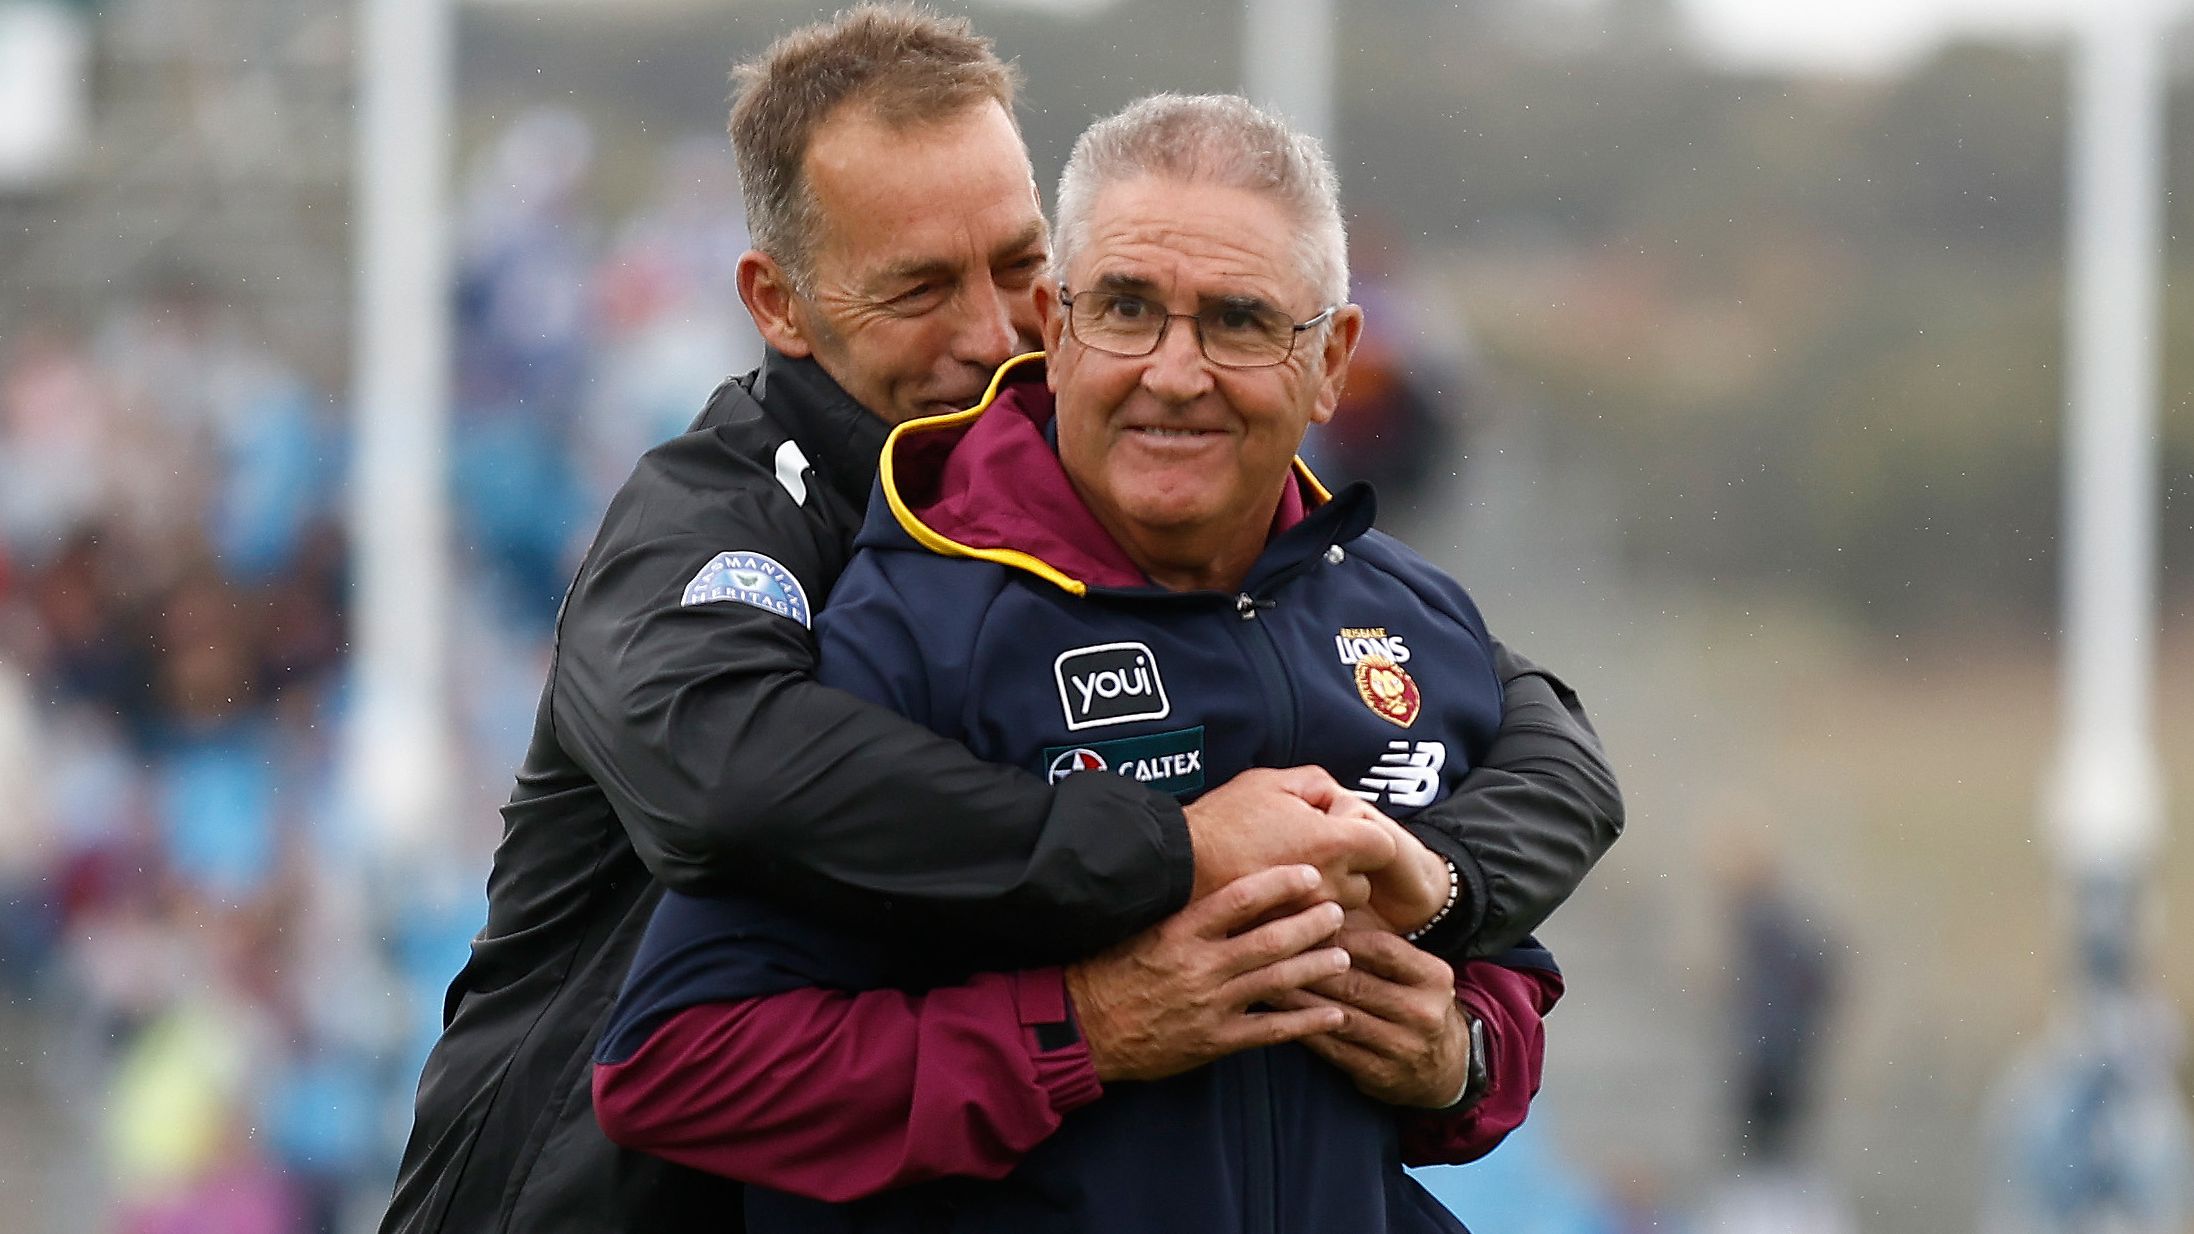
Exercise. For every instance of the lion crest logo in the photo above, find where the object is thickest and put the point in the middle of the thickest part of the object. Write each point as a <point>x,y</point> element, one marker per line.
<point>1387,689</point>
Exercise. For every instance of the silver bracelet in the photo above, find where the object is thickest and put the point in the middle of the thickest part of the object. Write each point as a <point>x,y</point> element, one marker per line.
<point>1454,893</point>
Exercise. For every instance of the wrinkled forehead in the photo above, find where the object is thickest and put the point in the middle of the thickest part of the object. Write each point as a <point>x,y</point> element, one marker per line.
<point>1194,242</point>
<point>888,191</point>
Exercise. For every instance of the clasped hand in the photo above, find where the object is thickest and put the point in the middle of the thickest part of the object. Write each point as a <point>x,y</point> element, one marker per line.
<point>1265,953</point>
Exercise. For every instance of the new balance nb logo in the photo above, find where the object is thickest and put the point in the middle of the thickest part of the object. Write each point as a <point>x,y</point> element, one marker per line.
<point>1408,774</point>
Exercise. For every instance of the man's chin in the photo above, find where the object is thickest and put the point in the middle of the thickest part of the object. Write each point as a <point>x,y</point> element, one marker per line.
<point>947,406</point>
<point>902,410</point>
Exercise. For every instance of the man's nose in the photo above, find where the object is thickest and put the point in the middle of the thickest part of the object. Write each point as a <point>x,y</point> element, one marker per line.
<point>1176,370</point>
<point>990,329</point>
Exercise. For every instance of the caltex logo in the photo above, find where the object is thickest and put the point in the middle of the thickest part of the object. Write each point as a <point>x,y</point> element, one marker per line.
<point>1081,758</point>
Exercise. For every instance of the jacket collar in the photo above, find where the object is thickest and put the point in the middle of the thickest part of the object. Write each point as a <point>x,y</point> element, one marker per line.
<point>987,483</point>
<point>840,437</point>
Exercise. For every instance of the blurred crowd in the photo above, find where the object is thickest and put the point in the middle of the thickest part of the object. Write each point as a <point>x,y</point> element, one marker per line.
<point>228,1017</point>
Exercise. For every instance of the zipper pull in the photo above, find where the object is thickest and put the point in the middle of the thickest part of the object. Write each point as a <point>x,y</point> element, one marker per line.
<point>1247,605</point>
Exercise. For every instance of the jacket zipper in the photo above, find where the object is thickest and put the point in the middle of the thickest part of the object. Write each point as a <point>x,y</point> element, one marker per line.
<point>1261,1164</point>
<point>1261,1160</point>
<point>1274,684</point>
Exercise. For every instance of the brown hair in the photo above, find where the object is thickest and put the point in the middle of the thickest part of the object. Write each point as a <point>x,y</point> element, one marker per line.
<point>906,63</point>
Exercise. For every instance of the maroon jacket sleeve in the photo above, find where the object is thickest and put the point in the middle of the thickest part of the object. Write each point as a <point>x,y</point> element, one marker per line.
<point>835,1095</point>
<point>1512,1003</point>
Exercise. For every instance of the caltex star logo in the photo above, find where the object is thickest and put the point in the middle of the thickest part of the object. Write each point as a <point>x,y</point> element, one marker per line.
<point>1081,758</point>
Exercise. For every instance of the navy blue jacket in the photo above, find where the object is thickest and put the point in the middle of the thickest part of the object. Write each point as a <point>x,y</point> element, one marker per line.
<point>1016,632</point>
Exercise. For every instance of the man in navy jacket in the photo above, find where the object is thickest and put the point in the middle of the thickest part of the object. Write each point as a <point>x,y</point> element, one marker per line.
<point>1132,579</point>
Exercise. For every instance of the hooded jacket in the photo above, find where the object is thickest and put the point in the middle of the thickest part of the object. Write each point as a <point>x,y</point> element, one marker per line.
<point>835,1066</point>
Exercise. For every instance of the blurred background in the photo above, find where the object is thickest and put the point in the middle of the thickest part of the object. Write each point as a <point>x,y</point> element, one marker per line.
<point>1717,346</point>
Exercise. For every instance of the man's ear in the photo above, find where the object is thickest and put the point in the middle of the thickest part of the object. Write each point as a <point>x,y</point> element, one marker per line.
<point>1051,315</point>
<point>1341,337</point>
<point>769,295</point>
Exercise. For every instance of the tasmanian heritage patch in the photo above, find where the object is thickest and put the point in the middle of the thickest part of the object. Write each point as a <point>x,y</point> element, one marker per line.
<point>749,578</point>
<point>1169,762</point>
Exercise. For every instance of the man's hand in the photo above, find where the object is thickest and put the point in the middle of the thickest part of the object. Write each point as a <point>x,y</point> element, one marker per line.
<point>1265,817</point>
<point>1404,1039</point>
<point>1406,893</point>
<point>1179,994</point>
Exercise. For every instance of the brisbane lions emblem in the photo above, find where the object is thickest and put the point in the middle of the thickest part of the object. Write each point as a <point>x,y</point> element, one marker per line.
<point>1387,689</point>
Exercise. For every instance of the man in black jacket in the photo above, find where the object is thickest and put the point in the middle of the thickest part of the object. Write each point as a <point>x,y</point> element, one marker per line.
<point>680,741</point>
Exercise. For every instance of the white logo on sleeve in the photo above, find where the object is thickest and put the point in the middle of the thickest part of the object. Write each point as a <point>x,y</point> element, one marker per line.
<point>1111,683</point>
<point>791,471</point>
<point>1408,774</point>
<point>749,578</point>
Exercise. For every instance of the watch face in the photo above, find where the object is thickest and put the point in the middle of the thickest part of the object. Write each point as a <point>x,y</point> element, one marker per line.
<point>1481,1067</point>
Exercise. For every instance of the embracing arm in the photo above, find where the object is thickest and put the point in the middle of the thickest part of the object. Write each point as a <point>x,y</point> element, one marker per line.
<point>752,1044</point>
<point>733,770</point>
<point>836,1095</point>
<point>1529,820</point>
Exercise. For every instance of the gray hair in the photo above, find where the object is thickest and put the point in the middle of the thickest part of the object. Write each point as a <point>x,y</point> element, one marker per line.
<point>1220,139</point>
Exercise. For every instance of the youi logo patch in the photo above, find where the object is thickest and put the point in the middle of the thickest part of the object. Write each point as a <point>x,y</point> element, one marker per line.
<point>1111,683</point>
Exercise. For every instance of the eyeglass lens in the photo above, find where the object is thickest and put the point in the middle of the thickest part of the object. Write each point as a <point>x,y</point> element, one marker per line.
<point>1237,336</point>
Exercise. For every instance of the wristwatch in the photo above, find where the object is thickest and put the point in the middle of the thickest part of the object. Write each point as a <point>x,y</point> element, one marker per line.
<point>1478,1073</point>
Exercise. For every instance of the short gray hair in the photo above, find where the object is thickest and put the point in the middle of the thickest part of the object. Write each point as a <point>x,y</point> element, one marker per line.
<point>1220,139</point>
